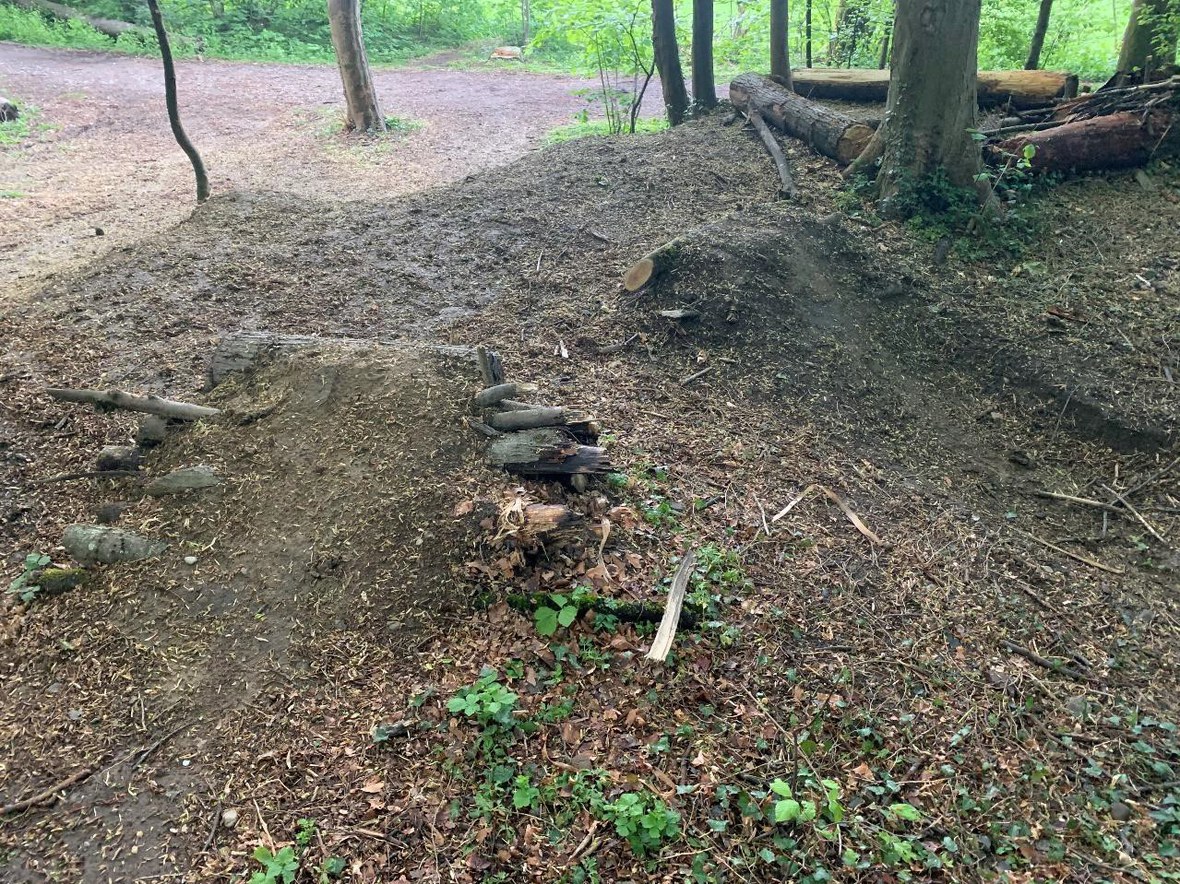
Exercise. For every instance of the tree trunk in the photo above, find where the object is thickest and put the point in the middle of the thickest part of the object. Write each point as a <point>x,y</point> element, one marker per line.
<point>807,34</point>
<point>1018,89</point>
<point>1038,37</point>
<point>667,54</point>
<point>360,95</point>
<point>1148,42</point>
<point>525,22</point>
<point>173,108</point>
<point>830,132</point>
<point>704,88</point>
<point>883,58</point>
<point>780,55</point>
<point>932,100</point>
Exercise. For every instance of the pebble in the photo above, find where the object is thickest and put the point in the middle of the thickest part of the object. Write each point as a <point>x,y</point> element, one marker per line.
<point>190,560</point>
<point>229,817</point>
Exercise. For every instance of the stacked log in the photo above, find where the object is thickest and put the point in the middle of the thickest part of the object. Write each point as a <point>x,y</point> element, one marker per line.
<point>535,440</point>
<point>1111,129</point>
<point>1017,89</point>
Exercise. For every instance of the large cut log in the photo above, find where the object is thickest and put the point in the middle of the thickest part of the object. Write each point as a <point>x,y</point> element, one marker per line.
<point>110,399</point>
<point>1114,141</point>
<point>832,133</point>
<point>243,351</point>
<point>1020,89</point>
<point>109,26</point>
<point>546,451</point>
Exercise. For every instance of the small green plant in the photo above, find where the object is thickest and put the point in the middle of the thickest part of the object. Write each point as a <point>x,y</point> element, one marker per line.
<point>277,868</point>
<point>305,834</point>
<point>524,793</point>
<point>23,586</point>
<point>563,613</point>
<point>487,701</point>
<point>587,128</point>
<point>643,820</point>
<point>331,869</point>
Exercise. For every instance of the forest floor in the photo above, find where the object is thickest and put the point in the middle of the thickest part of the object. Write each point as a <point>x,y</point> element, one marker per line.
<point>946,676</point>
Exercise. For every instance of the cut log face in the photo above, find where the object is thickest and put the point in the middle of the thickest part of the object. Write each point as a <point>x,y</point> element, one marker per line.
<point>830,132</point>
<point>1020,89</point>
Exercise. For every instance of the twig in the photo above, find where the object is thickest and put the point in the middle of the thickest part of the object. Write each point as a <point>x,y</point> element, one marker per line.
<point>49,794</point>
<point>213,829</point>
<point>148,751</point>
<point>1084,501</point>
<point>695,375</point>
<point>786,182</point>
<point>85,474</point>
<point>836,499</point>
<point>1085,560</point>
<point>1034,657</point>
<point>1134,512</point>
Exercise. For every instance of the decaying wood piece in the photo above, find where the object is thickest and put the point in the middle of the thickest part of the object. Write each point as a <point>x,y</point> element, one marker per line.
<point>665,635</point>
<point>787,186</point>
<point>119,458</point>
<point>546,451</point>
<point>1019,89</point>
<point>54,581</point>
<point>531,418</point>
<point>182,481</point>
<point>830,132</point>
<point>241,352</point>
<point>104,545</point>
<point>530,521</point>
<point>496,395</point>
<point>111,399</point>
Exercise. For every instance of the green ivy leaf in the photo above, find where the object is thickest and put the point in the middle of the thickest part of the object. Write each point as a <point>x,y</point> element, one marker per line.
<point>781,788</point>
<point>906,812</point>
<point>567,615</point>
<point>546,620</point>
<point>787,811</point>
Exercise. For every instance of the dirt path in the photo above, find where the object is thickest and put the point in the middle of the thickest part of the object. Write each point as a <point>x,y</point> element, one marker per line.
<point>102,155</point>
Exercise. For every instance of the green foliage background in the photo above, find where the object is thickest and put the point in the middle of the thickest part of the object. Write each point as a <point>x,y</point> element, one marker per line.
<point>1083,35</point>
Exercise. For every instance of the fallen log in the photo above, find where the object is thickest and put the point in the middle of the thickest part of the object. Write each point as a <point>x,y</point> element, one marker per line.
<point>531,418</point>
<point>112,399</point>
<point>830,132</point>
<point>110,27</point>
<point>1019,89</point>
<point>497,394</point>
<point>546,451</point>
<point>651,265</point>
<point>1113,141</point>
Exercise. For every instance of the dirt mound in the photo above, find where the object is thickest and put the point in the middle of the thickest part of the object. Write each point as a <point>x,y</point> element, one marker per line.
<point>333,523</point>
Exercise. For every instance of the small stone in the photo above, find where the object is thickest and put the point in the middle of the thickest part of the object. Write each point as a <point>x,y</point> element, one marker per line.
<point>190,560</point>
<point>229,817</point>
<point>1120,811</point>
<point>74,714</point>
<point>1077,706</point>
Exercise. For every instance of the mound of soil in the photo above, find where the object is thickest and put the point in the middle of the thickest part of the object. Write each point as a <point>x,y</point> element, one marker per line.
<point>938,404</point>
<point>333,525</point>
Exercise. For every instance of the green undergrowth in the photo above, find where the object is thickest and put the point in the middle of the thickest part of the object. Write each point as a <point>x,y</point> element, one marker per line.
<point>601,128</point>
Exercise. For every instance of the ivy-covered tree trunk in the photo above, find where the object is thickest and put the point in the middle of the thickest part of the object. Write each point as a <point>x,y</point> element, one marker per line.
<point>704,88</point>
<point>1150,38</point>
<point>780,56</point>
<point>1038,37</point>
<point>667,55</point>
<point>932,100</point>
<point>360,95</point>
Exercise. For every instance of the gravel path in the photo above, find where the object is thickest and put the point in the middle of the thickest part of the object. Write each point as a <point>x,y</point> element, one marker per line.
<point>102,156</point>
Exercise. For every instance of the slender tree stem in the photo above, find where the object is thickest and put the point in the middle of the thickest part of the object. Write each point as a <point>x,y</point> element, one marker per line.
<point>173,109</point>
